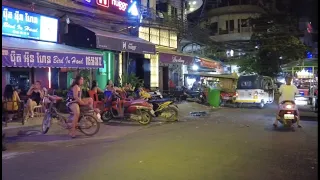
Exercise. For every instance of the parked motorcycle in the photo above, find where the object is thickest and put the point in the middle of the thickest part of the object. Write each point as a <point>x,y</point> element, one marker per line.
<point>288,113</point>
<point>162,107</point>
<point>120,108</point>
<point>165,109</point>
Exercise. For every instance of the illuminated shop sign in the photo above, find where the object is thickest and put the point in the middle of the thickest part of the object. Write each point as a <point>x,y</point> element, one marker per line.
<point>24,24</point>
<point>120,7</point>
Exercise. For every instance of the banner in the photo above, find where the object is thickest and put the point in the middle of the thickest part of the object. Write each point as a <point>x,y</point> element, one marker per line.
<point>28,58</point>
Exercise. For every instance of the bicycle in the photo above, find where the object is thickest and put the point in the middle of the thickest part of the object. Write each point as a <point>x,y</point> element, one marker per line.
<point>86,120</point>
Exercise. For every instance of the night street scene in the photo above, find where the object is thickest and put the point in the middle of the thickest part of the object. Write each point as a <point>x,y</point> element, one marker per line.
<point>159,90</point>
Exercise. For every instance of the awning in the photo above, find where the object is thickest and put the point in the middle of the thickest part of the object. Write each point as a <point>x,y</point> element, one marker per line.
<point>120,42</point>
<point>169,56</point>
<point>18,52</point>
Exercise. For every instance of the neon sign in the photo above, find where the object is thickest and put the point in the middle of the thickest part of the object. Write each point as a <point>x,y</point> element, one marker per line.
<point>103,3</point>
<point>120,7</point>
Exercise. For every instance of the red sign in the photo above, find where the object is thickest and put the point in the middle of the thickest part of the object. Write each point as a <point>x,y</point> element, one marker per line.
<point>116,6</point>
<point>209,64</point>
<point>121,5</point>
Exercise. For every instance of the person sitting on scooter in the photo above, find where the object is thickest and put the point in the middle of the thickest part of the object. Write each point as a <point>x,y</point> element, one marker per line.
<point>287,93</point>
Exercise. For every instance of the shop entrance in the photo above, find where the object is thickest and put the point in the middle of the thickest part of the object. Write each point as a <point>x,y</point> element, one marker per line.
<point>165,78</point>
<point>20,79</point>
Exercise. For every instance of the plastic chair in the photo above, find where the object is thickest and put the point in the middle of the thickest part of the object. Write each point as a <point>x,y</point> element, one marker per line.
<point>94,96</point>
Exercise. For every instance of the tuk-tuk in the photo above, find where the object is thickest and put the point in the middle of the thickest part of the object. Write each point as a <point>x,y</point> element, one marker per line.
<point>255,89</point>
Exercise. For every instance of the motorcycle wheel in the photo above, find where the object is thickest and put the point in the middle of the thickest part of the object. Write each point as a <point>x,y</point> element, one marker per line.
<point>145,118</point>
<point>106,116</point>
<point>46,122</point>
<point>174,113</point>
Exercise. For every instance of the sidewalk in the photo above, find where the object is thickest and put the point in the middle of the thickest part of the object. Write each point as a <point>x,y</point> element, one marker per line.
<point>184,110</point>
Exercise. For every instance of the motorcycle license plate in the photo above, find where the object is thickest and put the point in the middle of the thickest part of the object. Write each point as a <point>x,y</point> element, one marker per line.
<point>288,116</point>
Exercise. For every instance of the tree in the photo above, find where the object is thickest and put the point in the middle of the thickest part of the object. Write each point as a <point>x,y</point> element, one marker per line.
<point>275,42</point>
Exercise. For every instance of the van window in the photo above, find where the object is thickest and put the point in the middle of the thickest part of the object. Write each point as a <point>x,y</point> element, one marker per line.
<point>246,84</point>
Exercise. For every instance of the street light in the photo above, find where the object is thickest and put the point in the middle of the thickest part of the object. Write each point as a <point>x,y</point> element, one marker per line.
<point>195,67</point>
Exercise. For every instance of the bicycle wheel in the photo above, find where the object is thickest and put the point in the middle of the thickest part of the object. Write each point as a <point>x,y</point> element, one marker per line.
<point>46,122</point>
<point>89,125</point>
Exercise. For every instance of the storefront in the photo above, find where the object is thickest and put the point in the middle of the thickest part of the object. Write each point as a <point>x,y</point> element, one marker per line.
<point>30,50</point>
<point>172,67</point>
<point>200,70</point>
<point>125,53</point>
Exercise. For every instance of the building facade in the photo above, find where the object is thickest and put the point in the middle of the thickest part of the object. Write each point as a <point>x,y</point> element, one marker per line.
<point>109,28</point>
<point>163,24</point>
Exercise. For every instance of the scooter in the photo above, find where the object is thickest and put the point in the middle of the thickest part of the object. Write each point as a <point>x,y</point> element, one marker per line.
<point>162,107</point>
<point>120,108</point>
<point>288,113</point>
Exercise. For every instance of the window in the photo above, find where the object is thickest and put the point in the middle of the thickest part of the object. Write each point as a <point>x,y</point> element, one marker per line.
<point>231,25</point>
<point>227,25</point>
<point>214,28</point>
<point>246,84</point>
<point>144,33</point>
<point>173,39</point>
<point>174,12</point>
<point>164,37</point>
<point>159,36</point>
<point>154,35</point>
<point>244,23</point>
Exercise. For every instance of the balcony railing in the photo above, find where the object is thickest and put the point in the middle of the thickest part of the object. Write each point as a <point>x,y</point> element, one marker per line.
<point>222,32</point>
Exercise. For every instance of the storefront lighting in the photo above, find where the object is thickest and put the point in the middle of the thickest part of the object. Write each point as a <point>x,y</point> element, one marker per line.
<point>49,77</point>
<point>133,10</point>
<point>109,65</point>
<point>195,67</point>
<point>304,74</point>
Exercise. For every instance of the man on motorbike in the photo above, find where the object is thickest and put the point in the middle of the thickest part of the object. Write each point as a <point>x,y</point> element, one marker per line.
<point>287,93</point>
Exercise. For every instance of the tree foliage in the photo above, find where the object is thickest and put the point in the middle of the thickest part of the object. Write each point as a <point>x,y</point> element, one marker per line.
<point>275,42</point>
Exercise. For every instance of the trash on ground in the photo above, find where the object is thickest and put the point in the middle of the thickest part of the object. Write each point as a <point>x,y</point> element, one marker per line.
<point>198,113</point>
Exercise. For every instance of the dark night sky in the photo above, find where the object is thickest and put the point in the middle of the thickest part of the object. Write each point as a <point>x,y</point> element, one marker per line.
<point>308,8</point>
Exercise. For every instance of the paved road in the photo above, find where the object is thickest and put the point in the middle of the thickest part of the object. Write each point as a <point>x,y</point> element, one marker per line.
<point>228,144</point>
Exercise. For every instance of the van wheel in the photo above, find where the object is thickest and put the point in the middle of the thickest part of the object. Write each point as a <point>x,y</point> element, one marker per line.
<point>261,105</point>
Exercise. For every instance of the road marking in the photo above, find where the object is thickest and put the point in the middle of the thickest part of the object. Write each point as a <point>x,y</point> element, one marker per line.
<point>10,155</point>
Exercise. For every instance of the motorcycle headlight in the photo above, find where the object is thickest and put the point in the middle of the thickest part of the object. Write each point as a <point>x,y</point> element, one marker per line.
<point>289,106</point>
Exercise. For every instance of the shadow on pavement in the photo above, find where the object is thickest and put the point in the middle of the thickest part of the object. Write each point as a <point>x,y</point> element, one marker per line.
<point>123,123</point>
<point>280,128</point>
<point>37,136</point>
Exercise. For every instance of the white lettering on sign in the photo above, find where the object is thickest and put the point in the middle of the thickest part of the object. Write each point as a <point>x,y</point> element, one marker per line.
<point>175,59</point>
<point>124,45</point>
<point>6,14</point>
<point>121,5</point>
<point>132,47</point>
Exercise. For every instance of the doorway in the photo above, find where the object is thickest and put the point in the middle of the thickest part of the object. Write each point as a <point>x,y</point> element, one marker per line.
<point>165,78</point>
